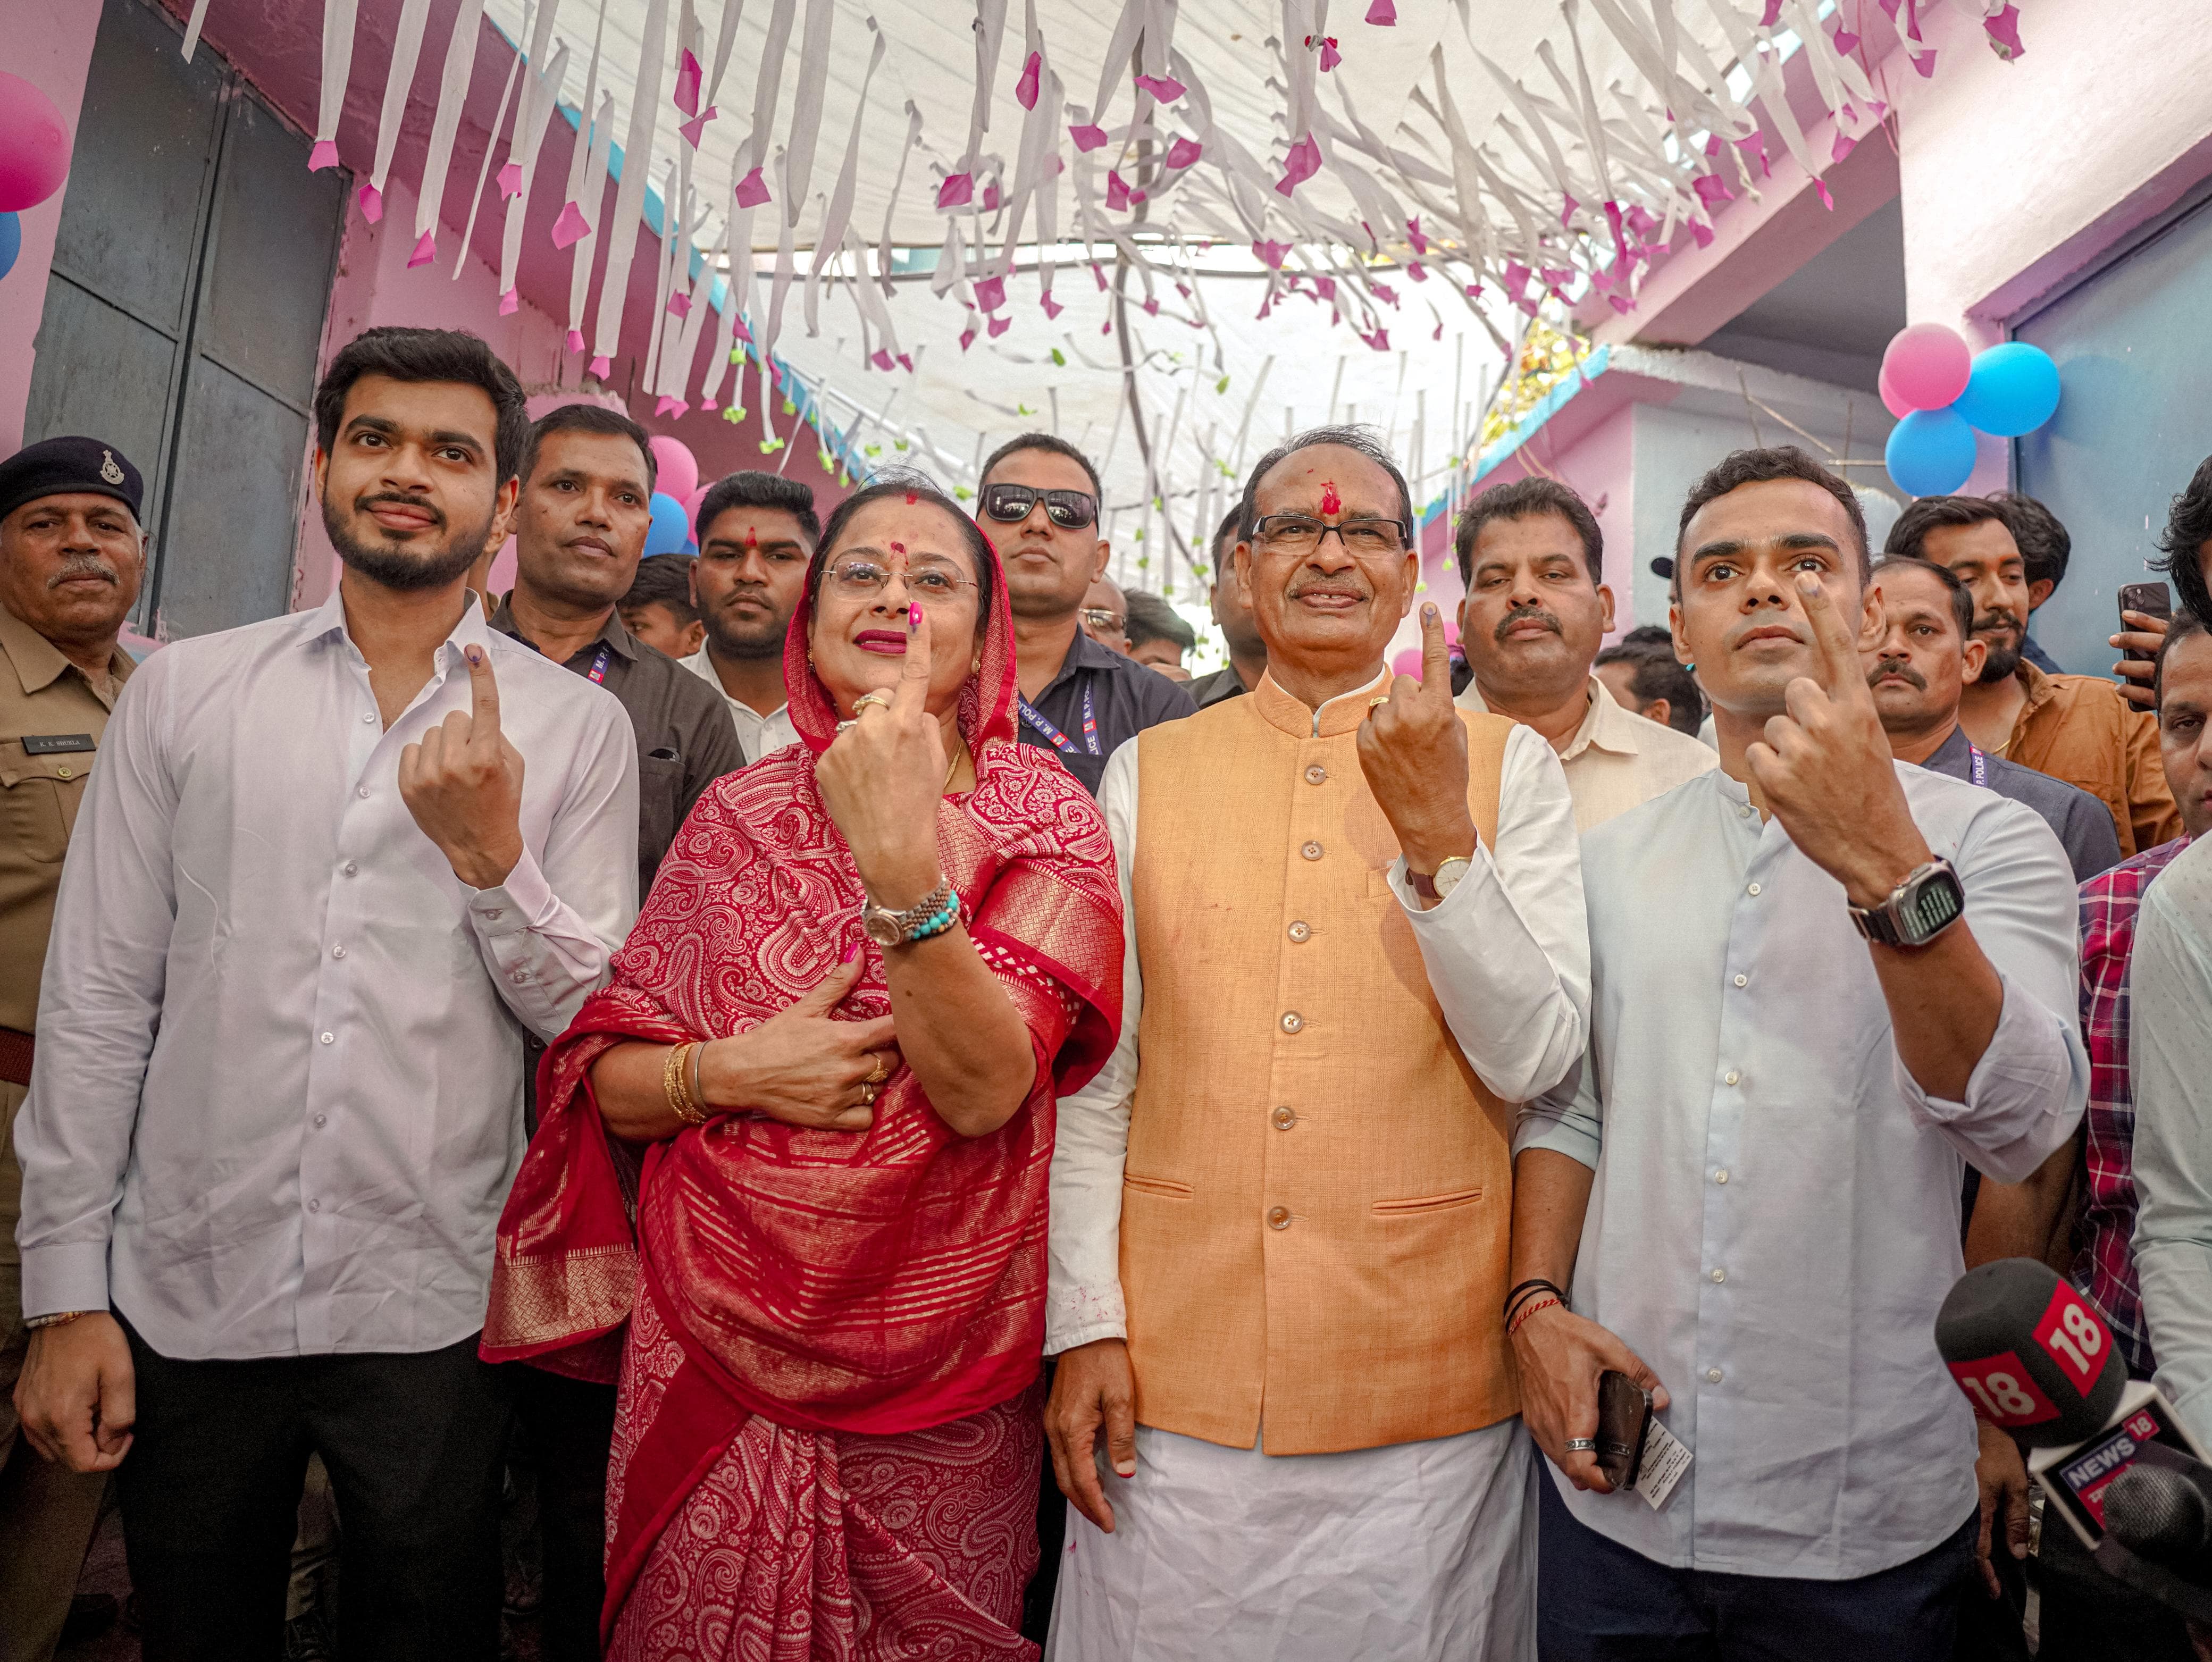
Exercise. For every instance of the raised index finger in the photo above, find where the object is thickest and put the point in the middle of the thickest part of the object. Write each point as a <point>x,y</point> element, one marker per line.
<point>1835,652</point>
<point>1436,655</point>
<point>911,696</point>
<point>483,699</point>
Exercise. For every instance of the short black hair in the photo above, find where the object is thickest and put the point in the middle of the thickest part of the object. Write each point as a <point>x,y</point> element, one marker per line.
<point>1756,467</point>
<point>1518,500</point>
<point>2188,529</point>
<point>1230,530</point>
<point>664,580</point>
<point>1908,537</point>
<point>428,354</point>
<point>1361,439</point>
<point>2179,628</point>
<point>915,486</point>
<point>1661,676</point>
<point>1962,603</point>
<point>752,489</point>
<point>1649,637</point>
<point>1057,445</point>
<point>2043,541</point>
<point>589,418</point>
<point>1152,618</point>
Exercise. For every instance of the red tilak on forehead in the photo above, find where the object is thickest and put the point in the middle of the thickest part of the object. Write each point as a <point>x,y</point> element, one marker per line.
<point>910,499</point>
<point>898,548</point>
<point>1330,501</point>
<point>752,541</point>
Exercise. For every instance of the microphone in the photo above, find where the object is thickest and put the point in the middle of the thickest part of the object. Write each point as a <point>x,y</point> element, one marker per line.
<point>2110,1454</point>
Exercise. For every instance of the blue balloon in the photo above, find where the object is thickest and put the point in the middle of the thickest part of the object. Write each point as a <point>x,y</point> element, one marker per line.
<point>11,242</point>
<point>2013,389</point>
<point>1930,452</point>
<point>672,527</point>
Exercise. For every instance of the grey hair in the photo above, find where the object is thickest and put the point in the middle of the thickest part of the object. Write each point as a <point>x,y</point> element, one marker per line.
<point>1361,439</point>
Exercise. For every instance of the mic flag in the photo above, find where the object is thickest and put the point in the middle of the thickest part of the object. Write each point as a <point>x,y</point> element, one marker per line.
<point>2031,1356</point>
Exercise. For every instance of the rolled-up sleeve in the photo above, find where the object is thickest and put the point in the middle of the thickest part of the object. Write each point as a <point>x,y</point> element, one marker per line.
<point>1090,1148</point>
<point>1507,951</point>
<point>2170,1056</point>
<point>106,966</point>
<point>549,932</point>
<point>2026,1094</point>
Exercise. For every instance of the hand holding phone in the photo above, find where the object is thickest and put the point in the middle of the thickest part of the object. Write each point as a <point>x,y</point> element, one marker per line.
<point>2145,608</point>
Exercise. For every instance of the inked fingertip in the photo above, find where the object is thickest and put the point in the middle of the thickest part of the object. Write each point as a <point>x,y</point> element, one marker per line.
<point>914,614</point>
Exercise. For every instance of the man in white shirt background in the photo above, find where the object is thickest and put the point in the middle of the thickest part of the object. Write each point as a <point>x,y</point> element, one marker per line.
<point>1754,1182</point>
<point>1536,611</point>
<point>756,533</point>
<point>328,865</point>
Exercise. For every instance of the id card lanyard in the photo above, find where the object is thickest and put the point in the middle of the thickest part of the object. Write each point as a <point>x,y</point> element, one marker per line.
<point>1053,736</point>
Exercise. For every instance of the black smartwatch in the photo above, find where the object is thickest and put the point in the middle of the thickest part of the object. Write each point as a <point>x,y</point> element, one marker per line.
<point>1928,902</point>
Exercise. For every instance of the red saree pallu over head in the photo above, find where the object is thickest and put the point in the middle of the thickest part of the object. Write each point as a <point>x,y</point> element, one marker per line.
<point>873,1282</point>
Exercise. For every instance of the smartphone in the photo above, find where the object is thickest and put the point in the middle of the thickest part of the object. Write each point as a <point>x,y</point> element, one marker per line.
<point>1623,1417</point>
<point>2154,598</point>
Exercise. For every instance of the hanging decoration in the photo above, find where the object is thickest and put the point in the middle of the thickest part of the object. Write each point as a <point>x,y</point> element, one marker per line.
<point>452,93</point>
<point>1942,394</point>
<point>629,196</point>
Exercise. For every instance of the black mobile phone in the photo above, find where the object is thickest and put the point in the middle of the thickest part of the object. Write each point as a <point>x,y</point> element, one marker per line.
<point>1623,1417</point>
<point>2154,598</point>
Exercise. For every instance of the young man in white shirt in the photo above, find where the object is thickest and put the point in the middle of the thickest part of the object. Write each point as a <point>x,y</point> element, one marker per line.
<point>333,865</point>
<point>756,533</point>
<point>1751,1184</point>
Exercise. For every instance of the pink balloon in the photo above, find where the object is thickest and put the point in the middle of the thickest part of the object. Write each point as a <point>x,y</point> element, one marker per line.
<point>1407,662</point>
<point>679,469</point>
<point>1890,402</point>
<point>1927,365</point>
<point>34,145</point>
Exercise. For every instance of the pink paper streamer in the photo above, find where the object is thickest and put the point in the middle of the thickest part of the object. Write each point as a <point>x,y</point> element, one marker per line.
<point>1756,148</point>
<point>372,203</point>
<point>967,338</point>
<point>694,128</point>
<point>1414,235</point>
<point>1025,90</point>
<point>679,303</point>
<point>999,326</point>
<point>570,226</point>
<point>1330,57</point>
<point>1270,254</point>
<point>510,180</point>
<point>1383,13</point>
<point>1618,304</point>
<point>1846,42</point>
<point>1711,190</point>
<point>1099,272</point>
<point>575,340</point>
<point>324,155</point>
<point>991,197</point>
<point>510,303</point>
<point>1925,63</point>
<point>426,250</point>
<point>1183,152</point>
<point>663,404</point>
<point>881,359</point>
<point>990,292</point>
<point>753,190</point>
<point>1302,162</point>
<point>2003,31</point>
<point>1843,146</point>
<point>1087,138</point>
<point>957,191</point>
<point>1567,212</point>
<point>1826,201</point>
<point>687,83</point>
<point>1771,16</point>
<point>598,367</point>
<point>1416,272</point>
<point>1117,193</point>
<point>1052,308</point>
<point>1165,88</point>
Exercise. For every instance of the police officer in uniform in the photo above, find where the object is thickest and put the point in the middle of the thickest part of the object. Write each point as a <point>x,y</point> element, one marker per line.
<point>72,556</point>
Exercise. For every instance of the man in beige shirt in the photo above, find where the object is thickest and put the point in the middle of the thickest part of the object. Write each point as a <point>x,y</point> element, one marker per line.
<point>72,556</point>
<point>1535,614</point>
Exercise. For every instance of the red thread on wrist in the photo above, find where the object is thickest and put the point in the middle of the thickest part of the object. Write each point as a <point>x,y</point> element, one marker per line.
<point>1530,1309</point>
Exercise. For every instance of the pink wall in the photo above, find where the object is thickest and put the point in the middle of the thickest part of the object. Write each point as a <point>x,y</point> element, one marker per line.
<point>50,46</point>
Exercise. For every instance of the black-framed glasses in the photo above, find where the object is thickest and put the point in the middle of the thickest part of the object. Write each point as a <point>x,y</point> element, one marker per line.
<point>1010,505</point>
<point>864,579</point>
<point>1301,533</point>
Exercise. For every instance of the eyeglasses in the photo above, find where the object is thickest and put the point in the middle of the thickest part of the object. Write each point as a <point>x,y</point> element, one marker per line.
<point>1010,505</point>
<point>1098,617</point>
<point>862,580</point>
<point>1300,533</point>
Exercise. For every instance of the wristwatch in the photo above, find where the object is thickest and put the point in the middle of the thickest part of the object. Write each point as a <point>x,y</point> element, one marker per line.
<point>1928,902</point>
<point>1434,886</point>
<point>887,928</point>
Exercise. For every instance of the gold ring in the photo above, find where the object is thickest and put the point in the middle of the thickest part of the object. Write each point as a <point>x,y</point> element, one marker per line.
<point>878,1074</point>
<point>867,1094</point>
<point>866,699</point>
<point>1378,703</point>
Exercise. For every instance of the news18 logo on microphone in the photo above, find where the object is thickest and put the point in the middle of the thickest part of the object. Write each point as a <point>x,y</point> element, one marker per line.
<point>2052,1379</point>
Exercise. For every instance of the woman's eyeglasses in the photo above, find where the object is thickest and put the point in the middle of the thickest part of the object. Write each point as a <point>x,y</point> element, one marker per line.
<point>1300,533</point>
<point>1010,505</point>
<point>863,580</point>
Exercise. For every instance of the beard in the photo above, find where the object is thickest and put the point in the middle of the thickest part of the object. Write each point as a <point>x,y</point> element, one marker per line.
<point>404,566</point>
<point>742,641</point>
<point>2000,664</point>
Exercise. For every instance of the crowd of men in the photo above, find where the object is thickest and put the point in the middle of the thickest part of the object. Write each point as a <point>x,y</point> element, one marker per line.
<point>1483,1031</point>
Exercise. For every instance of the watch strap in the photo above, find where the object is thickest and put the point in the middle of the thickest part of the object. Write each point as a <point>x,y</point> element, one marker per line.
<point>1424,883</point>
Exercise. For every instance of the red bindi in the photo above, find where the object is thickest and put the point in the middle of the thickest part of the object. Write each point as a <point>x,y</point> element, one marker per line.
<point>910,499</point>
<point>752,541</point>
<point>1330,501</point>
<point>898,548</point>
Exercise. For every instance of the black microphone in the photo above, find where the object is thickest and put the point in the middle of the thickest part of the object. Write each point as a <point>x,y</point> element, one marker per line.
<point>2030,1355</point>
<point>2156,1512</point>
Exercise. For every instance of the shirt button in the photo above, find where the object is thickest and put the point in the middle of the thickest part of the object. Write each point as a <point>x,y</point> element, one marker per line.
<point>348,868</point>
<point>1311,851</point>
<point>321,1120</point>
<point>314,1205</point>
<point>1743,810</point>
<point>1719,1276</point>
<point>1283,1119</point>
<point>337,952</point>
<point>368,715</point>
<point>1743,980</point>
<point>1720,1176</point>
<point>1731,1077</point>
<point>62,772</point>
<point>1292,1021</point>
<point>330,1038</point>
<point>1316,773</point>
<point>1753,889</point>
<point>1301,932</point>
<point>1712,1376</point>
<point>1278,1217</point>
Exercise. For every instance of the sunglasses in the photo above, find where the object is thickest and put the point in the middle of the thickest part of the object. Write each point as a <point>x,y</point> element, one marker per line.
<point>1010,505</point>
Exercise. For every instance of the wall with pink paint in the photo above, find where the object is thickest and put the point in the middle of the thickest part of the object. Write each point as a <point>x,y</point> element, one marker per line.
<point>50,46</point>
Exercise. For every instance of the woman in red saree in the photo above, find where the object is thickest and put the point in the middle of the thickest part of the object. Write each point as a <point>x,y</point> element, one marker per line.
<point>826,1316</point>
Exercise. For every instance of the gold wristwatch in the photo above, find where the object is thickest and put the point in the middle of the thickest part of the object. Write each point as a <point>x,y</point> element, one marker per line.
<point>1435,886</point>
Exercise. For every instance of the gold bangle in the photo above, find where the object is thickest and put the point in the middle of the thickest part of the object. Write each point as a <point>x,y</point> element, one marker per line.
<point>674,1086</point>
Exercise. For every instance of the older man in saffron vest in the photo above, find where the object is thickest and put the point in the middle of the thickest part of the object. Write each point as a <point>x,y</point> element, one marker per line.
<point>1279,1216</point>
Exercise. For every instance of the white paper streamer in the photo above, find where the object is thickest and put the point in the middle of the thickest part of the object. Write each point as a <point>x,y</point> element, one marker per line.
<point>806,113</point>
<point>193,29</point>
<point>591,189</point>
<point>337,65</point>
<point>630,198</point>
<point>840,214</point>
<point>540,94</point>
<point>491,145</point>
<point>406,50</point>
<point>453,94</point>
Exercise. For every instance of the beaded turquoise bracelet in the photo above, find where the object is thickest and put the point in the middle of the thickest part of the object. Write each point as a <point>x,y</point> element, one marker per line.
<point>939,921</point>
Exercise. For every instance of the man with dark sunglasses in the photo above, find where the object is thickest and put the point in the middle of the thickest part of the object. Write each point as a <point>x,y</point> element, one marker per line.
<point>1039,504</point>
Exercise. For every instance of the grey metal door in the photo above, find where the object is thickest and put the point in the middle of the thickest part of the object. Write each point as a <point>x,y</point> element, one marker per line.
<point>2134,359</point>
<point>192,273</point>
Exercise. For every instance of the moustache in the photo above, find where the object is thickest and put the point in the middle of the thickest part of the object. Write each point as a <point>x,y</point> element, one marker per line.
<point>1990,623</point>
<point>400,499</point>
<point>1521,615</point>
<point>1901,669</point>
<point>80,566</point>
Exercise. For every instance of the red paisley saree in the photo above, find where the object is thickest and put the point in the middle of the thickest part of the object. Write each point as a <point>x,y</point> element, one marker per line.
<point>828,1342</point>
